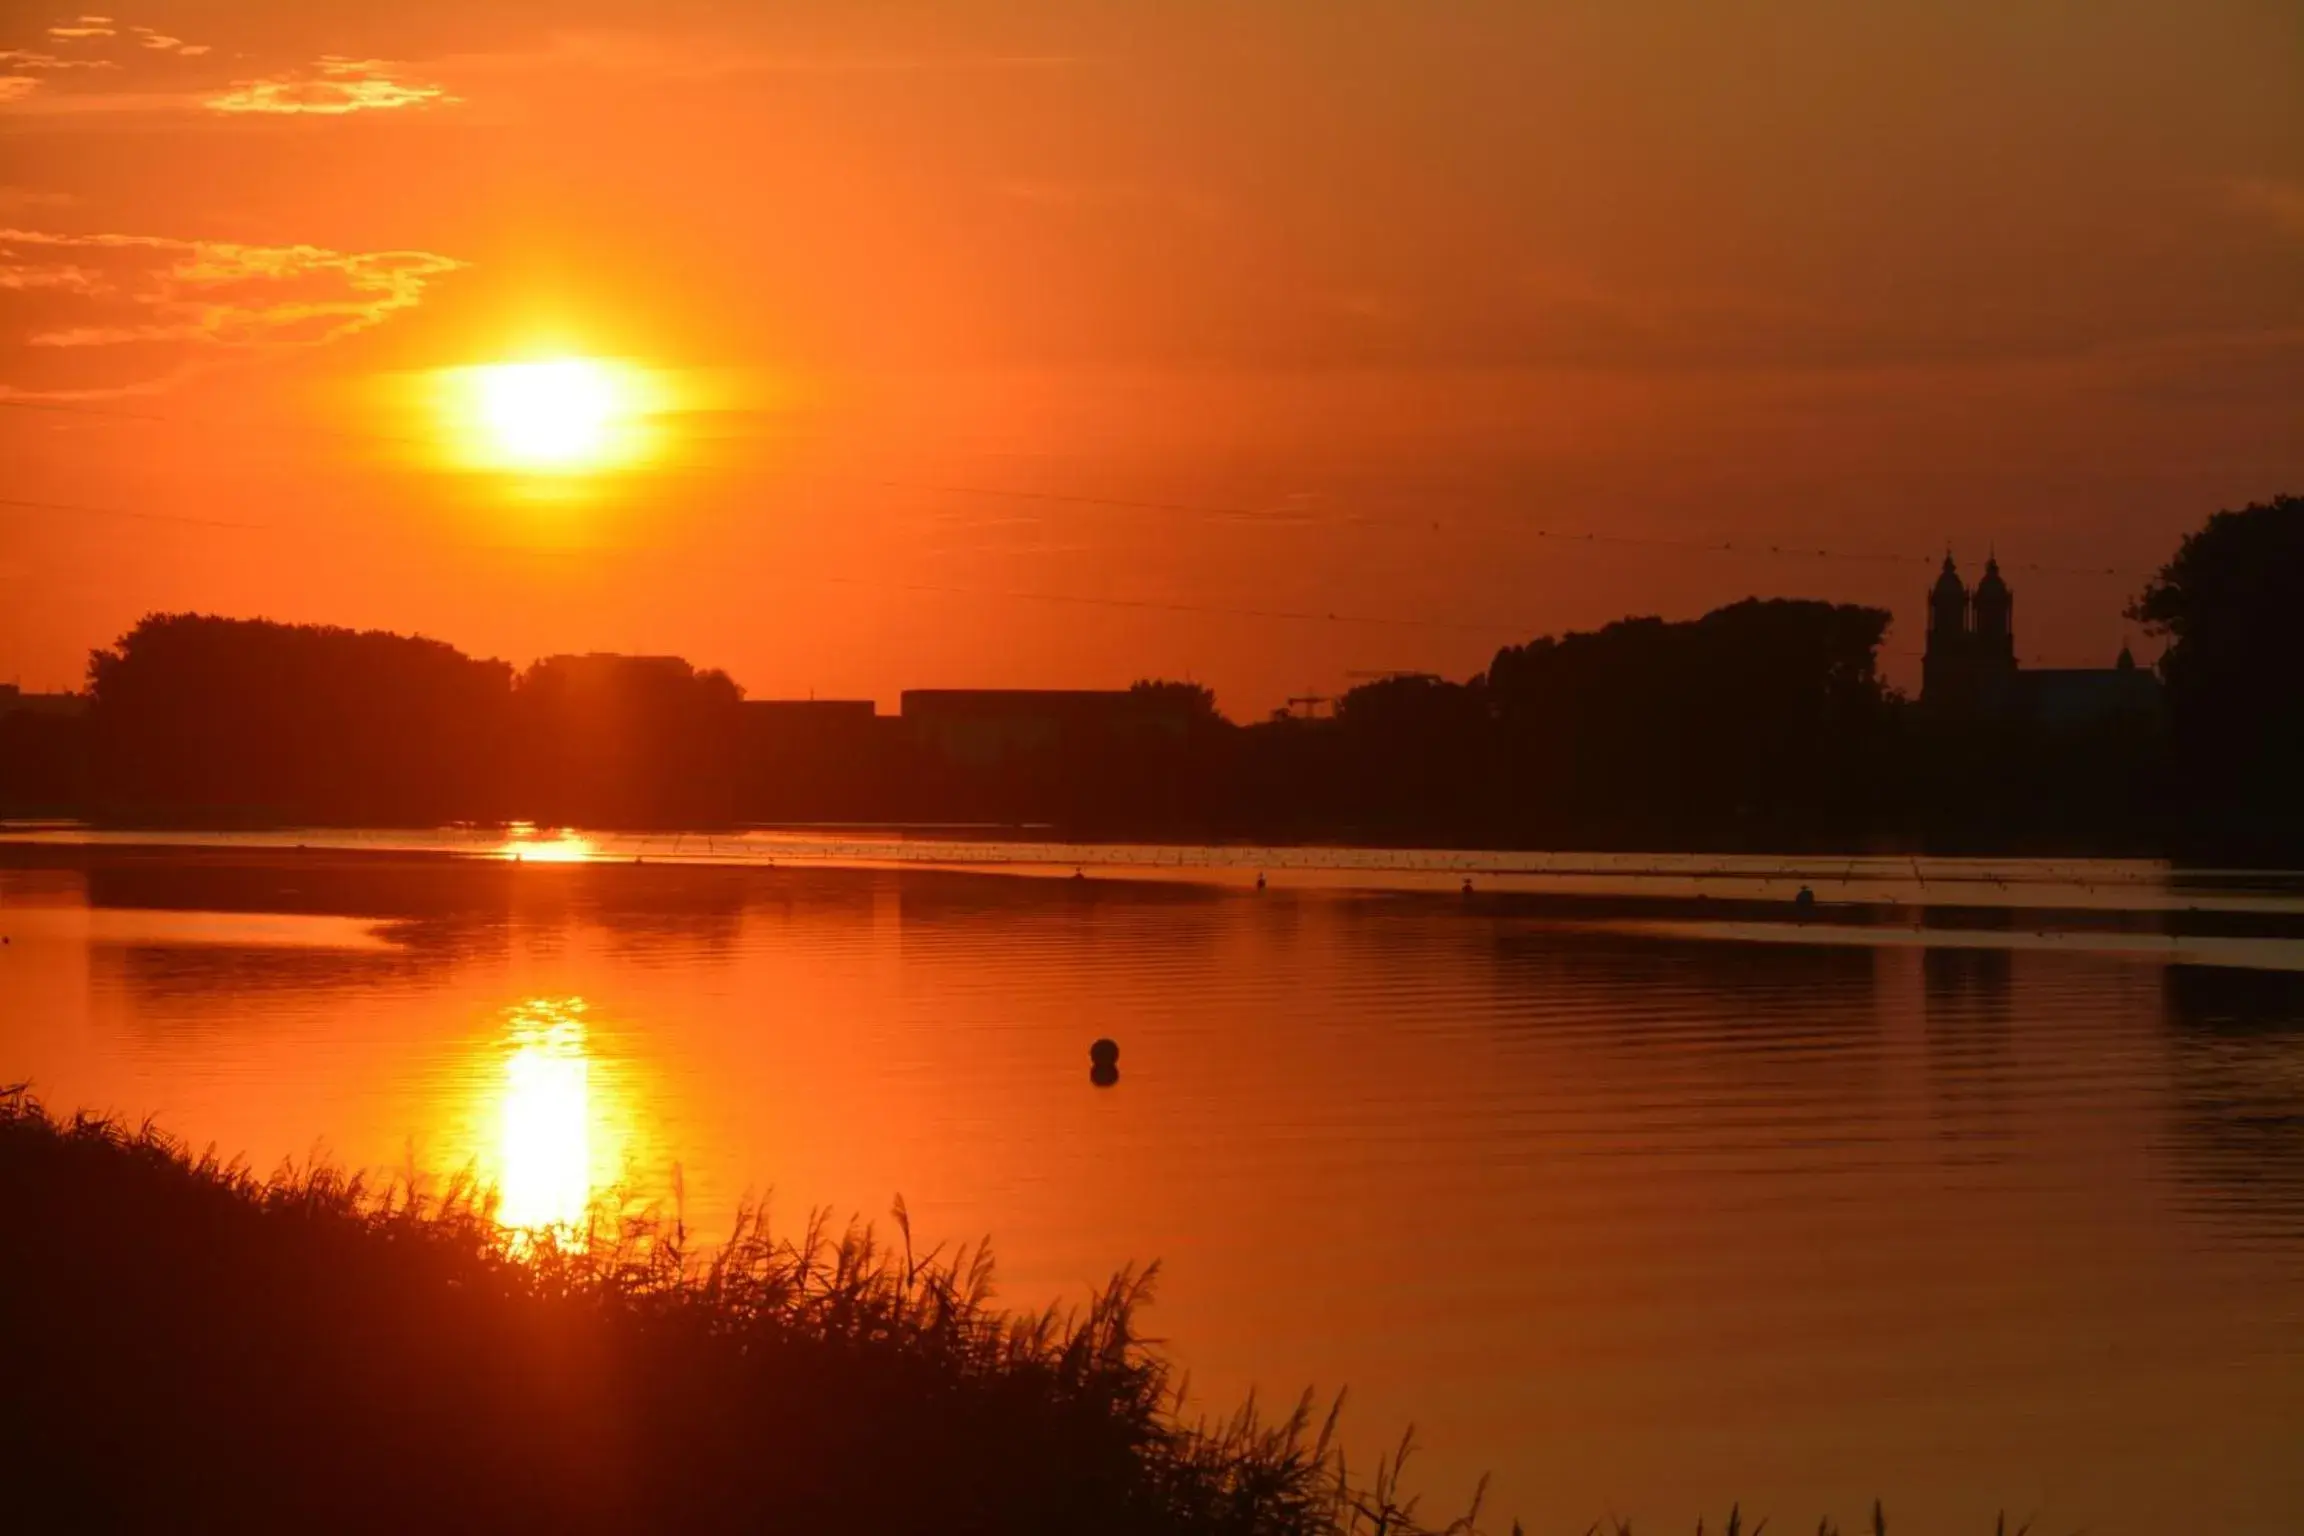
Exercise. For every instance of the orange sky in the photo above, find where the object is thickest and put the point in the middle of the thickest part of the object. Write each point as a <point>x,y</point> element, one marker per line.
<point>1339,309</point>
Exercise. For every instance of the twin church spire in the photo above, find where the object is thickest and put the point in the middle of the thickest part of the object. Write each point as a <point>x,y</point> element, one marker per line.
<point>1988,613</point>
<point>1969,670</point>
<point>1971,635</point>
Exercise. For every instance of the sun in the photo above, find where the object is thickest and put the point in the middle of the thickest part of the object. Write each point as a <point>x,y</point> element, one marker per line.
<point>545,414</point>
<point>549,416</point>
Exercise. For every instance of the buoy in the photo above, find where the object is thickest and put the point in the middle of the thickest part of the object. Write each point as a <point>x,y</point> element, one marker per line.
<point>1805,900</point>
<point>1467,885</point>
<point>1259,879</point>
<point>1079,873</point>
<point>1105,1053</point>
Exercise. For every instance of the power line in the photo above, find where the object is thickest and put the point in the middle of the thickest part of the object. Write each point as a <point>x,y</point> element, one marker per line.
<point>1743,548</point>
<point>68,408</point>
<point>1085,599</point>
<point>152,517</point>
<point>1724,546</point>
<point>1126,504</point>
<point>1302,615</point>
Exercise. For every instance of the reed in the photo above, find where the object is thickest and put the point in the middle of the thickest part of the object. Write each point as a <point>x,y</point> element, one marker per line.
<point>187,1345</point>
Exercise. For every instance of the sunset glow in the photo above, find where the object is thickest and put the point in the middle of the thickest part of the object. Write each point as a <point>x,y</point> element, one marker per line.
<point>557,416</point>
<point>1591,707</point>
<point>1252,370</point>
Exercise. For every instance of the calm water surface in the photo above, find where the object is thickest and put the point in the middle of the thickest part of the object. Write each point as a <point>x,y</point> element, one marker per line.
<point>1981,1188</point>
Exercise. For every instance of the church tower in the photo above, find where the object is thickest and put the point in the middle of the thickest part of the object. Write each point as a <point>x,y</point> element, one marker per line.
<point>1994,621</point>
<point>1946,672</point>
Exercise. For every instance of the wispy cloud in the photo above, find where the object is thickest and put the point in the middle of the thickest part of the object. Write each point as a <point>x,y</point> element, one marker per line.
<point>36,61</point>
<point>42,78</point>
<point>332,87</point>
<point>135,309</point>
<point>161,42</point>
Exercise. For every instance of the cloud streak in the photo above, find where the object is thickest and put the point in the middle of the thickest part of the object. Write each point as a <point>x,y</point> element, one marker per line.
<point>161,42</point>
<point>332,87</point>
<point>41,78</point>
<point>110,313</point>
<point>39,62</point>
<point>87,27</point>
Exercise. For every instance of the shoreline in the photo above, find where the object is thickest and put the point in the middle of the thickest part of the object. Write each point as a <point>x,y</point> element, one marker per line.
<point>1715,883</point>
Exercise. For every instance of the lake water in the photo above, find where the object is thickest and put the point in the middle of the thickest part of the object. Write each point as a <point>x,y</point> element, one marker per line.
<point>1981,1187</point>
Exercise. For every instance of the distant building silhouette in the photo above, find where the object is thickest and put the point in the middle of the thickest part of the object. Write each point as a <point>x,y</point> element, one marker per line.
<point>984,727</point>
<point>775,729</point>
<point>1969,670</point>
<point>15,701</point>
<point>816,759</point>
<point>43,752</point>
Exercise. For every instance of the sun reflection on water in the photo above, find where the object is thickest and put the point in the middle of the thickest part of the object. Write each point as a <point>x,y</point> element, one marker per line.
<point>558,1142</point>
<point>527,845</point>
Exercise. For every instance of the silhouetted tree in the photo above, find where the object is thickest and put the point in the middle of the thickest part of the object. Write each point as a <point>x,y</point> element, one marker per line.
<point>627,741</point>
<point>201,717</point>
<point>1195,703</point>
<point>1764,721</point>
<point>1763,724</point>
<point>1416,752</point>
<point>2231,605</point>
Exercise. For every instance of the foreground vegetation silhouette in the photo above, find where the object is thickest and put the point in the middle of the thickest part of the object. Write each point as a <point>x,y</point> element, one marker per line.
<point>187,1346</point>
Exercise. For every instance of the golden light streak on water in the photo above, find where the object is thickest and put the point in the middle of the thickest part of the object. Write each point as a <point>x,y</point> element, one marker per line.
<point>526,845</point>
<point>552,1128</point>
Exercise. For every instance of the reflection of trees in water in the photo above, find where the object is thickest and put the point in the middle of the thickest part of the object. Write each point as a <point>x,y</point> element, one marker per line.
<point>437,902</point>
<point>1791,1022</point>
<point>206,986</point>
<point>436,914</point>
<point>1158,925</point>
<point>2237,1067</point>
<point>638,910</point>
<point>1762,996</point>
<point>41,886</point>
<point>1750,1056</point>
<point>1967,994</point>
<point>379,887</point>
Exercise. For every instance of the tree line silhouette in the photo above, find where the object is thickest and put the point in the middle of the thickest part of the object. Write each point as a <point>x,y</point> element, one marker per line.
<point>1764,724</point>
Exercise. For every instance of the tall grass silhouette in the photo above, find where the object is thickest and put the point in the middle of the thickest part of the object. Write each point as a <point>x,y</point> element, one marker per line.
<point>189,1345</point>
<point>186,1345</point>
